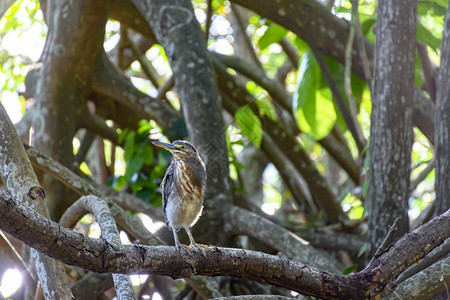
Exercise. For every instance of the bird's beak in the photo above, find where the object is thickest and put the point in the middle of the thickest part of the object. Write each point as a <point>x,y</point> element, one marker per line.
<point>166,146</point>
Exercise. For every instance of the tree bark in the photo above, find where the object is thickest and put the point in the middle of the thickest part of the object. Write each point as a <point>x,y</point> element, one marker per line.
<point>442,127</point>
<point>391,120</point>
<point>98,255</point>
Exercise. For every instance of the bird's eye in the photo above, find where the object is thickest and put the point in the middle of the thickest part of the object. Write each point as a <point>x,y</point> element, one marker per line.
<point>182,147</point>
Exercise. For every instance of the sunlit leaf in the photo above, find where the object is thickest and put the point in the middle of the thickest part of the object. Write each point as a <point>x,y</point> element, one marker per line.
<point>129,145</point>
<point>273,34</point>
<point>350,269</point>
<point>249,124</point>
<point>135,164</point>
<point>430,8</point>
<point>147,152</point>
<point>425,36</point>
<point>314,108</point>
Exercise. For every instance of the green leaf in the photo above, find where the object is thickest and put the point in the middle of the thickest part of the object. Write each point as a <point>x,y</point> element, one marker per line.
<point>249,124</point>
<point>314,108</point>
<point>362,250</point>
<point>266,108</point>
<point>350,269</point>
<point>135,164</point>
<point>123,135</point>
<point>129,145</point>
<point>120,183</point>
<point>273,34</point>
<point>443,3</point>
<point>307,82</point>
<point>147,152</point>
<point>425,36</point>
<point>430,8</point>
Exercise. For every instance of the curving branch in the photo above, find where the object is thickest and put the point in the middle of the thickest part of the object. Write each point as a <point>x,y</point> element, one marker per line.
<point>100,256</point>
<point>100,210</point>
<point>112,84</point>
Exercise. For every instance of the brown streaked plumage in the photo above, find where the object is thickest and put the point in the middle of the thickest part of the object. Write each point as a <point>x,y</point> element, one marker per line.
<point>183,187</point>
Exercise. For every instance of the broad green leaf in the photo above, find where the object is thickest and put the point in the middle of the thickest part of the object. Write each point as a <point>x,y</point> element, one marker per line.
<point>129,145</point>
<point>350,269</point>
<point>307,82</point>
<point>314,108</point>
<point>266,108</point>
<point>135,164</point>
<point>249,124</point>
<point>425,36</point>
<point>302,46</point>
<point>273,34</point>
<point>443,3</point>
<point>147,152</point>
<point>367,24</point>
<point>120,183</point>
<point>430,8</point>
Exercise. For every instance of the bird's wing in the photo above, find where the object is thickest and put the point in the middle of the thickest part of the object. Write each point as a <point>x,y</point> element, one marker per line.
<point>166,186</point>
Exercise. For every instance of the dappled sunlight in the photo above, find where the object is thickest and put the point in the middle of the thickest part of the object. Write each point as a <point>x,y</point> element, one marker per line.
<point>11,282</point>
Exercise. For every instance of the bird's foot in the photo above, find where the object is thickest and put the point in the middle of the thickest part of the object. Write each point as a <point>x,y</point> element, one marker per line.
<point>198,247</point>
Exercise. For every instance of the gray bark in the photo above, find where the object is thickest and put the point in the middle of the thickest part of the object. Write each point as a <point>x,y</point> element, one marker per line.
<point>391,120</point>
<point>442,127</point>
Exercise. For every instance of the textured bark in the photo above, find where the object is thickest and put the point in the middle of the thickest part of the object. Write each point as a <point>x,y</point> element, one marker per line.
<point>442,127</point>
<point>426,284</point>
<point>391,124</point>
<point>178,31</point>
<point>19,178</point>
<point>68,65</point>
<point>104,218</point>
<point>100,256</point>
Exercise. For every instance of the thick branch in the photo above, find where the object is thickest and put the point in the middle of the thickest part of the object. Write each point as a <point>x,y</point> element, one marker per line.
<point>111,83</point>
<point>97,255</point>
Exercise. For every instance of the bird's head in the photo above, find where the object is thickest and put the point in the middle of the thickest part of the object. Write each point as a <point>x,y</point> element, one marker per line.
<point>179,149</point>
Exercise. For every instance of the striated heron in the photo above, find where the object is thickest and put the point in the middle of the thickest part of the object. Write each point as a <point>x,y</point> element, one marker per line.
<point>182,188</point>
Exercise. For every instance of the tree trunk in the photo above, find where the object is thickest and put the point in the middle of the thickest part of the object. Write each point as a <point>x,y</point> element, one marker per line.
<point>442,127</point>
<point>391,127</point>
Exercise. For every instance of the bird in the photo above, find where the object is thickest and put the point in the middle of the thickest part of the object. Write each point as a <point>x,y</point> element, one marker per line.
<point>183,187</point>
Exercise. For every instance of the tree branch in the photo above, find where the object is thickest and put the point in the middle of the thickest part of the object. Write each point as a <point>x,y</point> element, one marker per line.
<point>111,83</point>
<point>97,255</point>
<point>100,210</point>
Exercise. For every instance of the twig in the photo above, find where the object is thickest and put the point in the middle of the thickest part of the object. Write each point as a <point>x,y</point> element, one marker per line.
<point>421,177</point>
<point>386,241</point>
<point>209,12</point>
<point>85,145</point>
<point>162,91</point>
<point>146,67</point>
<point>290,51</point>
<point>429,71</point>
<point>235,9</point>
<point>361,46</point>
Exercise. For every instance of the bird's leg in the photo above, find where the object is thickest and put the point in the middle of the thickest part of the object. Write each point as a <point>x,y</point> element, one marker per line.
<point>175,237</point>
<point>193,244</point>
